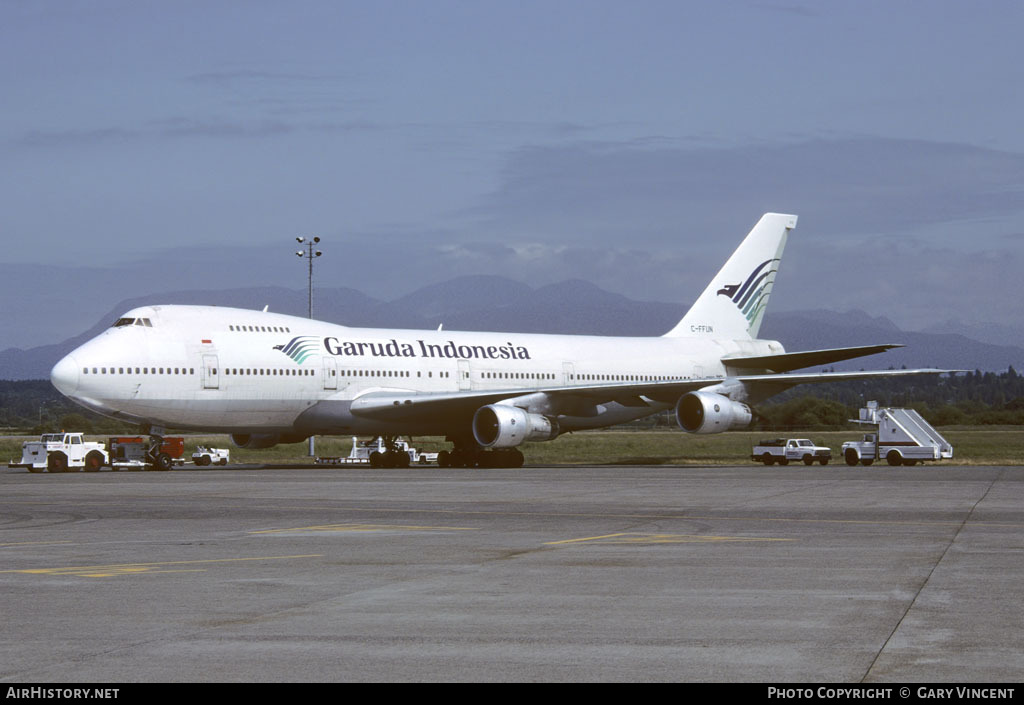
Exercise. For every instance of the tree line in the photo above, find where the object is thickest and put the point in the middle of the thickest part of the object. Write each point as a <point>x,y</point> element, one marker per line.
<point>971,398</point>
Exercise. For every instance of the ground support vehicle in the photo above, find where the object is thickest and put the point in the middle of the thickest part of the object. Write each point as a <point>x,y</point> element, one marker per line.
<point>135,452</point>
<point>62,452</point>
<point>208,456</point>
<point>902,437</point>
<point>782,450</point>
<point>380,453</point>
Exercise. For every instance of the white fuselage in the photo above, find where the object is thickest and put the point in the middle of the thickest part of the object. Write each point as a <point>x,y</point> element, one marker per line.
<point>241,371</point>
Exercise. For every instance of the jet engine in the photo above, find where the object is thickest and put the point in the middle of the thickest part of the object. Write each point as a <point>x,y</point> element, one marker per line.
<point>264,440</point>
<point>504,426</point>
<point>707,412</point>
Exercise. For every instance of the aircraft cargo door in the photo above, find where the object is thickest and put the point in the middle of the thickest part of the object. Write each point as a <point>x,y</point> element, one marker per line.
<point>211,373</point>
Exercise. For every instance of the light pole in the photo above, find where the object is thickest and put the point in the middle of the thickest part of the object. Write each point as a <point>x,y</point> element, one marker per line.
<point>310,254</point>
<point>48,401</point>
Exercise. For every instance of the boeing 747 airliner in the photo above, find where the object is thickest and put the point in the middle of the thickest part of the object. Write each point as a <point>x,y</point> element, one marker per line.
<point>268,378</point>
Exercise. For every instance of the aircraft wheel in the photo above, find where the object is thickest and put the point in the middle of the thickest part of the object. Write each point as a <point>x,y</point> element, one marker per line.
<point>57,462</point>
<point>468,459</point>
<point>444,459</point>
<point>162,462</point>
<point>93,461</point>
<point>376,459</point>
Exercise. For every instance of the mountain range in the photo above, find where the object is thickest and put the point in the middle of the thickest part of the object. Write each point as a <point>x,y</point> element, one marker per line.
<point>493,303</point>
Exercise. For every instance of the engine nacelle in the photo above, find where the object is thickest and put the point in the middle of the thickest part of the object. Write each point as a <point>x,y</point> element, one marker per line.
<point>707,412</point>
<point>504,426</point>
<point>264,440</point>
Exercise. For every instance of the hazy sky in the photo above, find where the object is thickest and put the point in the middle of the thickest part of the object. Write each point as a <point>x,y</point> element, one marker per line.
<point>628,143</point>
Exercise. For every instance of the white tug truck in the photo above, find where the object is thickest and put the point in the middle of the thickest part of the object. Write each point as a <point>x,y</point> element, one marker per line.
<point>208,456</point>
<point>902,437</point>
<point>61,452</point>
<point>781,451</point>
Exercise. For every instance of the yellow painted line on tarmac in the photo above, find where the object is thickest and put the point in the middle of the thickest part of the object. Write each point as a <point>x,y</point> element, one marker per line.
<point>359,528</point>
<point>644,539</point>
<point>118,569</point>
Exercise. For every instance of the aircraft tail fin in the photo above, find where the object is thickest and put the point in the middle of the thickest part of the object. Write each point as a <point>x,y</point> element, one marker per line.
<point>733,304</point>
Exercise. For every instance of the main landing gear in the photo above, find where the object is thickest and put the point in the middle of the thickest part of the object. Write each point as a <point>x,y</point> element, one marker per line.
<point>470,455</point>
<point>393,457</point>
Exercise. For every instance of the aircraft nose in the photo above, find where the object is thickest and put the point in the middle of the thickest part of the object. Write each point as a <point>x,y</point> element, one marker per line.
<point>64,376</point>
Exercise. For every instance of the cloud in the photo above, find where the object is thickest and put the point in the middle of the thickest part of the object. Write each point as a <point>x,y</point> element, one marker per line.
<point>183,128</point>
<point>247,76</point>
<point>919,231</point>
<point>612,192</point>
<point>914,285</point>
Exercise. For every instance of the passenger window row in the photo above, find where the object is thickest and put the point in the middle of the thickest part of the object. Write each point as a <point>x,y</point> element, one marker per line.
<point>517,375</point>
<point>623,378</point>
<point>260,329</point>
<point>139,370</point>
<point>272,372</point>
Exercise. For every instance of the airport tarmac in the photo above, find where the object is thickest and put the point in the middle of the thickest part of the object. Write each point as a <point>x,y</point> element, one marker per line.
<point>639,573</point>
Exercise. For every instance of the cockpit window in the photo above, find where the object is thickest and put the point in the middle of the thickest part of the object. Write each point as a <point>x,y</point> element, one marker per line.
<point>132,322</point>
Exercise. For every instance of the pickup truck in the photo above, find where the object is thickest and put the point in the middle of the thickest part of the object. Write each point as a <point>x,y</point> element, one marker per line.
<point>782,450</point>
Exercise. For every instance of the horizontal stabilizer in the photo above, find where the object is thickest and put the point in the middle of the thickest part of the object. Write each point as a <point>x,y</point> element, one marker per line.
<point>798,360</point>
<point>760,387</point>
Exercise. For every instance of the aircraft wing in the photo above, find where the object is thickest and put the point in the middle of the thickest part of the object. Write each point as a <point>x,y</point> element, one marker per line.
<point>394,405</point>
